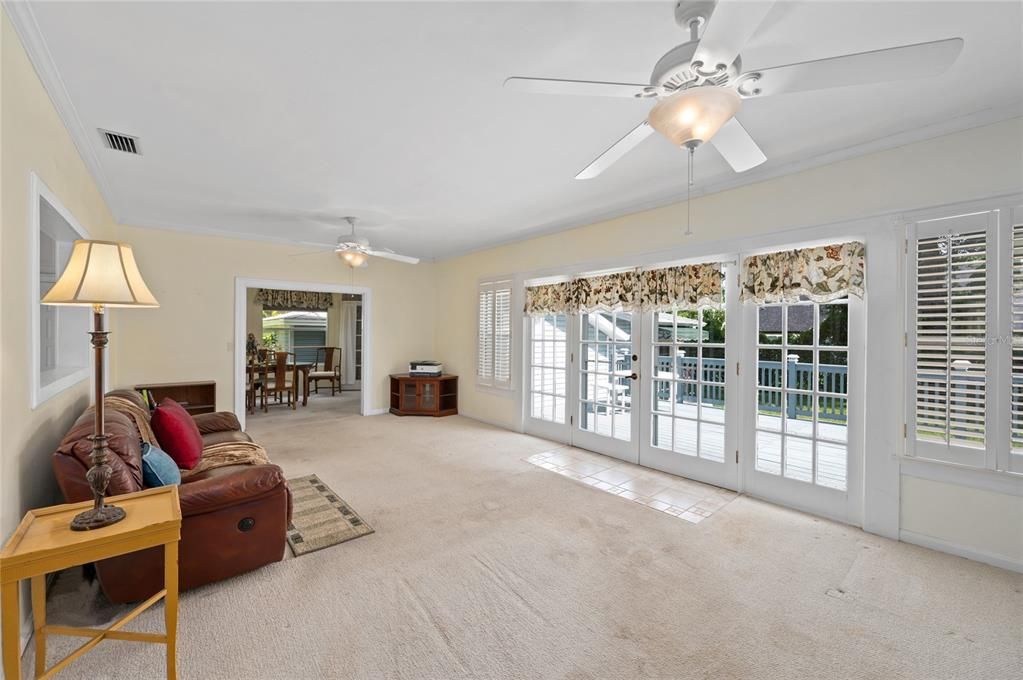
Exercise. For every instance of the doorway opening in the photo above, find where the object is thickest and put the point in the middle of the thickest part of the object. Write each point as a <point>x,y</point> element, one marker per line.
<point>301,350</point>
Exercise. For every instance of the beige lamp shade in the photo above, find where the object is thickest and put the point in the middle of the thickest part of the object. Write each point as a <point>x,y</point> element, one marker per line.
<point>101,273</point>
<point>694,115</point>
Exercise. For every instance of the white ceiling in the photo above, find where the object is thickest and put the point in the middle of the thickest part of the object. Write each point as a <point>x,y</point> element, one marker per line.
<point>395,111</point>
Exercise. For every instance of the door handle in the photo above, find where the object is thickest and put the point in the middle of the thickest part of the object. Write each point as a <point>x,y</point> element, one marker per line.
<point>634,376</point>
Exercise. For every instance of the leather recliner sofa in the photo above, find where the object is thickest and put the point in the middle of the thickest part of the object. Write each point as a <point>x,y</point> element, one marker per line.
<point>233,519</point>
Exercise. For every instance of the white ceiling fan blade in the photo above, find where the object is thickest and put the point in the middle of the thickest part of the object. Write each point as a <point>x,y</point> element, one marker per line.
<point>616,151</point>
<point>576,87</point>
<point>731,25</point>
<point>312,252</point>
<point>737,147</point>
<point>391,255</point>
<point>896,63</point>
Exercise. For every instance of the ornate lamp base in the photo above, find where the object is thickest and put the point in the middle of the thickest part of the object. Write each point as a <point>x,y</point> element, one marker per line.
<point>97,518</point>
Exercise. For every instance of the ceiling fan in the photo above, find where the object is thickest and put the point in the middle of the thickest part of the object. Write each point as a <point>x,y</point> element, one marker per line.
<point>699,85</point>
<point>355,251</point>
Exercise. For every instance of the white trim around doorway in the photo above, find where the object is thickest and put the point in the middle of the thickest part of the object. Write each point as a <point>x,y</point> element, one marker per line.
<point>242,284</point>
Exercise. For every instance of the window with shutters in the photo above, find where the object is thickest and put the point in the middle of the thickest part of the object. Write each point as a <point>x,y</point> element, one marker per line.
<point>965,339</point>
<point>494,336</point>
<point>1014,461</point>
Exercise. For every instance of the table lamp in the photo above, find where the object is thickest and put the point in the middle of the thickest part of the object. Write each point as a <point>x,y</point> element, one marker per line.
<point>100,274</point>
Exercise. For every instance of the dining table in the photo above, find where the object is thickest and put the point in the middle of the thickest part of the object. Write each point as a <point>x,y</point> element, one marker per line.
<point>259,368</point>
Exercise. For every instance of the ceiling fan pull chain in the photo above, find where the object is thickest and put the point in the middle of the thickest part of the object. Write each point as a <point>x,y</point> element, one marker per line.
<point>689,194</point>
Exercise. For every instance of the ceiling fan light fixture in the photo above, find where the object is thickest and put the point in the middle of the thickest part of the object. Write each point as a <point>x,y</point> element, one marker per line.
<point>353,258</point>
<point>695,115</point>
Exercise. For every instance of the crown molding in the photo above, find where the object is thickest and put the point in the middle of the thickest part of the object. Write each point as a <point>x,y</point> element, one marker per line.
<point>27,28</point>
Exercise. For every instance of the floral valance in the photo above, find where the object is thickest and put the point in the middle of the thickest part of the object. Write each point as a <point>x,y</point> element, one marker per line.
<point>553,298</point>
<point>610,292</point>
<point>684,287</point>
<point>820,274</point>
<point>272,298</point>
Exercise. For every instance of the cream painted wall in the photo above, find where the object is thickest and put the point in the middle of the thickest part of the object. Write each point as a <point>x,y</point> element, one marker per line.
<point>34,139</point>
<point>334,321</point>
<point>191,335</point>
<point>948,513</point>
<point>979,163</point>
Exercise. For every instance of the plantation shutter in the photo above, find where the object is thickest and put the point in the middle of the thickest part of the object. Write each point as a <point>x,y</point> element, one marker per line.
<point>485,351</point>
<point>494,340</point>
<point>951,286</point>
<point>502,337</point>
<point>1016,389</point>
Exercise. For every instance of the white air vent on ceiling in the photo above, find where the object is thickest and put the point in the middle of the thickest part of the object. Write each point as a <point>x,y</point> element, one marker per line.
<point>121,142</point>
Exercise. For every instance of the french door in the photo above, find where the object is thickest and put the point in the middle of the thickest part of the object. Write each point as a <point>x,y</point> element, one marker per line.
<point>607,379</point>
<point>757,398</point>
<point>803,442</point>
<point>582,380</point>
<point>691,411</point>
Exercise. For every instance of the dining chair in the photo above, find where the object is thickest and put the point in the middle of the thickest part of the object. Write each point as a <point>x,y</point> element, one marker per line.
<point>279,381</point>
<point>327,367</point>
<point>254,379</point>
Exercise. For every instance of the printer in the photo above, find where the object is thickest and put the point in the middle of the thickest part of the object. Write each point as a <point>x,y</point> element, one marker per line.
<point>425,369</point>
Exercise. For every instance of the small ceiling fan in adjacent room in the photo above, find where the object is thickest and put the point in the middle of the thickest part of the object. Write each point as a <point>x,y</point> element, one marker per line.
<point>699,86</point>
<point>356,251</point>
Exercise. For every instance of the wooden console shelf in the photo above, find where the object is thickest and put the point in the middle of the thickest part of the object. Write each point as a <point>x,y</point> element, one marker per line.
<point>196,397</point>
<point>416,396</point>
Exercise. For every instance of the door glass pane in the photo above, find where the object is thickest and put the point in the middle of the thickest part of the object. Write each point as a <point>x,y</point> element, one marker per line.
<point>768,458</point>
<point>800,323</point>
<point>802,408</point>
<point>834,325</point>
<point>831,465</point>
<point>799,458</point>
<point>686,437</point>
<point>548,367</point>
<point>712,441</point>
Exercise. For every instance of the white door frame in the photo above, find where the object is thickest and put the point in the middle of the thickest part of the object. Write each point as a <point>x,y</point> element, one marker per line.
<point>241,284</point>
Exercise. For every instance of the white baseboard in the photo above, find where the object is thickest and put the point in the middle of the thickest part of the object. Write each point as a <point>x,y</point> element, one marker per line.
<point>960,550</point>
<point>377,411</point>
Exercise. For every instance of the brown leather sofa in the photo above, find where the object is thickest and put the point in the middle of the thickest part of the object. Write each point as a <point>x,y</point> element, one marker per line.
<point>233,519</point>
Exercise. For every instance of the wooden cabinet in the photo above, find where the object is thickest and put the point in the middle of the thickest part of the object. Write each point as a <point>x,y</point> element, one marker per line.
<point>416,396</point>
<point>196,397</point>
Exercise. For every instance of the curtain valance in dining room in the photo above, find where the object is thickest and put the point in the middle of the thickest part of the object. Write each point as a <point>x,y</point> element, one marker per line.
<point>819,274</point>
<point>684,287</point>
<point>272,298</point>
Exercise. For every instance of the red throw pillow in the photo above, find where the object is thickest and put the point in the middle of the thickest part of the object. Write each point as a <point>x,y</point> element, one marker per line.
<point>177,433</point>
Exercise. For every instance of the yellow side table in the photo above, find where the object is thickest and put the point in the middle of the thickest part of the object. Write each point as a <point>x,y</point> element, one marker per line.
<point>44,543</point>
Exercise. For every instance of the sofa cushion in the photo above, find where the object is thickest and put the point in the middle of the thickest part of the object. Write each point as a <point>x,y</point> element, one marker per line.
<point>125,452</point>
<point>224,437</point>
<point>158,468</point>
<point>177,433</point>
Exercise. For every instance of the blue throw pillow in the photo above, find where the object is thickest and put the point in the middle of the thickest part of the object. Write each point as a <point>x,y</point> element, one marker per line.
<point>158,468</point>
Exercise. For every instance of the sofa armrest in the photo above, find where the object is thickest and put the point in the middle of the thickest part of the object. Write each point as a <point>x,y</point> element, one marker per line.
<point>229,486</point>
<point>221,421</point>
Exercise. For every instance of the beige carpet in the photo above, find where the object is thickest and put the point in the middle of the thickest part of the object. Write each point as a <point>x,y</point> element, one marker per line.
<point>486,566</point>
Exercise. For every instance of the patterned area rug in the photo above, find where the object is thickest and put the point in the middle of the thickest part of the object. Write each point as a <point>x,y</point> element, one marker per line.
<point>319,517</point>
